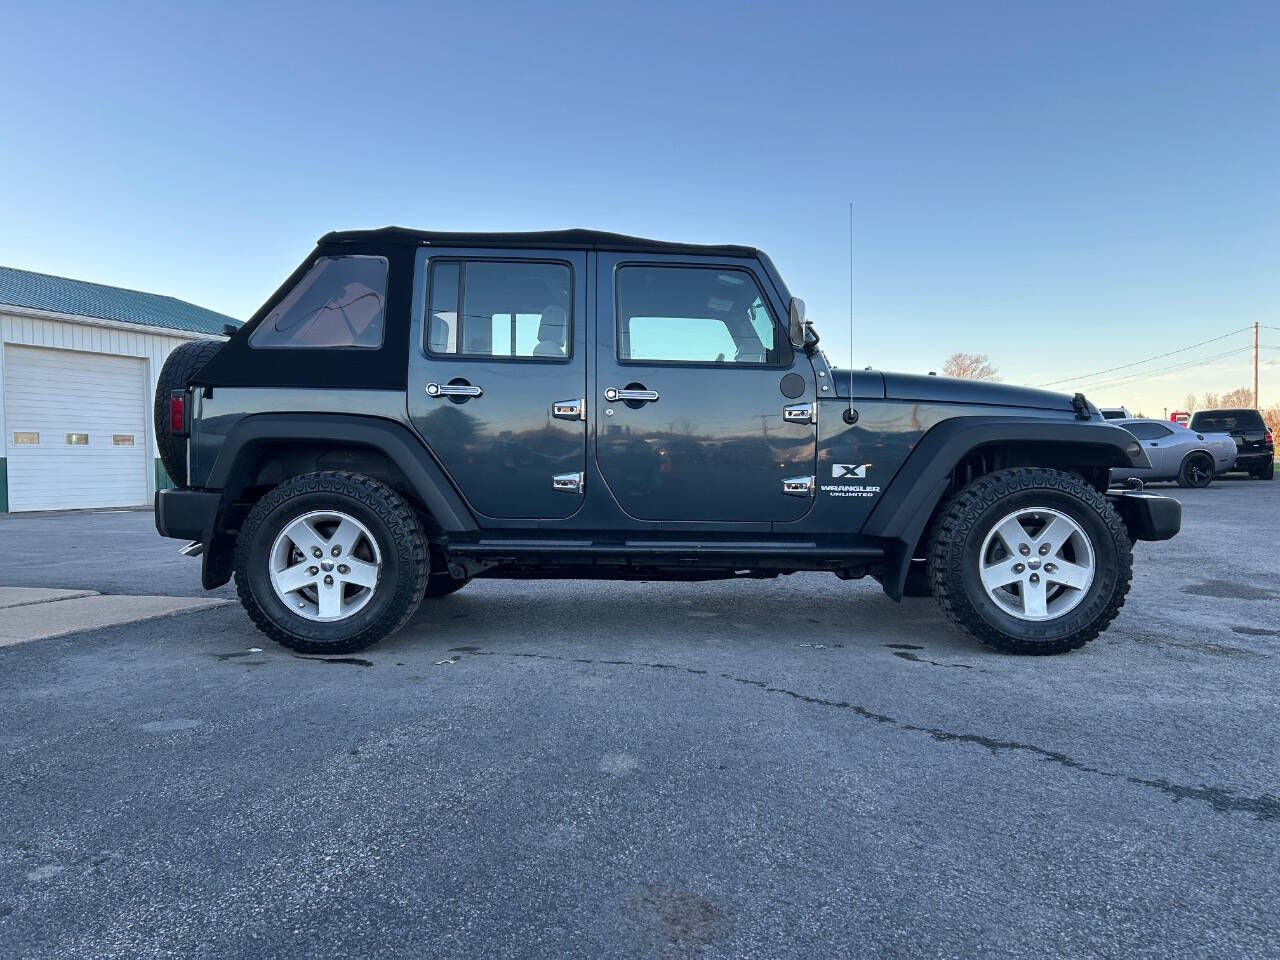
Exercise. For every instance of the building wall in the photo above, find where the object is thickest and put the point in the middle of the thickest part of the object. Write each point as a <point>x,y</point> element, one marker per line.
<point>39,329</point>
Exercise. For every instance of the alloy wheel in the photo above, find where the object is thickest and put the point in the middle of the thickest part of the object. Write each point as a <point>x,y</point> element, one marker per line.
<point>325,566</point>
<point>1036,564</point>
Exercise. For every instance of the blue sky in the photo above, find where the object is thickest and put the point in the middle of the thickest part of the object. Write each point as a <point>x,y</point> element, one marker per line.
<point>1065,187</point>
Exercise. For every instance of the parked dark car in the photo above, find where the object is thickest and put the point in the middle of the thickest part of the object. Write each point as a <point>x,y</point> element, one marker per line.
<point>1255,446</point>
<point>412,410</point>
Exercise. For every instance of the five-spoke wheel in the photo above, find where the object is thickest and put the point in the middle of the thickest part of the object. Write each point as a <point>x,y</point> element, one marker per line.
<point>331,562</point>
<point>1036,563</point>
<point>1030,560</point>
<point>325,565</point>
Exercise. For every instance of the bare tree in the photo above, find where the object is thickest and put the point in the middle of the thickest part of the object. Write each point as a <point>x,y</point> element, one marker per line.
<point>970,366</point>
<point>1189,402</point>
<point>1271,416</point>
<point>1239,397</point>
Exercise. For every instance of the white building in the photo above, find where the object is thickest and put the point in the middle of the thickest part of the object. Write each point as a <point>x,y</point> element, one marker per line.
<point>78,369</point>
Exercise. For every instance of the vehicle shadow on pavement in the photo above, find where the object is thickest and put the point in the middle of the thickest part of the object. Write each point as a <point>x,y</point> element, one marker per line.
<point>799,610</point>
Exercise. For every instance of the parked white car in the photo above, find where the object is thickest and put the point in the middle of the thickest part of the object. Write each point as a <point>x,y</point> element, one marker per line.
<point>1176,453</point>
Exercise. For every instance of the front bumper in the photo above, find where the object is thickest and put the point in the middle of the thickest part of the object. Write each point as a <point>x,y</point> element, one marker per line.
<point>1148,516</point>
<point>186,514</point>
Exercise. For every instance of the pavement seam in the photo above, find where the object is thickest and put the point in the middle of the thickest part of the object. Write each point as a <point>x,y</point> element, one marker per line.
<point>1264,807</point>
<point>73,596</point>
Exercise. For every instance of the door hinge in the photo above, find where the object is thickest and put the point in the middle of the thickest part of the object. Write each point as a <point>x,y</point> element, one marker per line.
<point>568,482</point>
<point>800,413</point>
<point>569,409</point>
<point>799,486</point>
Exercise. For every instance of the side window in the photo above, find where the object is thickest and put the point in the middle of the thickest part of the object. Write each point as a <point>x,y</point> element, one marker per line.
<point>509,309</point>
<point>695,315</point>
<point>339,302</point>
<point>1149,431</point>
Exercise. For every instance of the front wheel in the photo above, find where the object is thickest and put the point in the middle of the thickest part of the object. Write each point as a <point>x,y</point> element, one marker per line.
<point>1030,560</point>
<point>1196,471</point>
<point>331,562</point>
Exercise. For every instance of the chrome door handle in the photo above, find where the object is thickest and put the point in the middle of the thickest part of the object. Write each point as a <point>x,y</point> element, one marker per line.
<point>800,413</point>
<point>453,390</point>
<point>644,396</point>
<point>569,409</point>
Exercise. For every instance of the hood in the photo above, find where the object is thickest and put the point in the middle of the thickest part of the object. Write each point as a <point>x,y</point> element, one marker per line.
<point>907,386</point>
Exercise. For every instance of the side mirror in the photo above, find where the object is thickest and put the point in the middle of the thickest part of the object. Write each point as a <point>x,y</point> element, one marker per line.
<point>796,324</point>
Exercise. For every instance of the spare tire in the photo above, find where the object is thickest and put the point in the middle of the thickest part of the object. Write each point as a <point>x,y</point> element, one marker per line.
<point>182,364</point>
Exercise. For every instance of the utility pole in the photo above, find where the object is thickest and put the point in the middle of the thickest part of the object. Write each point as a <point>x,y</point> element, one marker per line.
<point>1255,365</point>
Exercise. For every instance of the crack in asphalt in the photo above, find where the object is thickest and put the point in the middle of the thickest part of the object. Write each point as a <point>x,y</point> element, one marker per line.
<point>1264,807</point>
<point>908,655</point>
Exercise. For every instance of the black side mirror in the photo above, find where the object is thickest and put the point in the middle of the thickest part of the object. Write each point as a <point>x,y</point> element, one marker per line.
<point>796,324</point>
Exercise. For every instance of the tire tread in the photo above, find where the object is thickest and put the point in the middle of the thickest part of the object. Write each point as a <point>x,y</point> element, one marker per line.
<point>954,525</point>
<point>408,537</point>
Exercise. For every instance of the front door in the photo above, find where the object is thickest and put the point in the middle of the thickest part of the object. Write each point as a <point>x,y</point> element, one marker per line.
<point>1155,442</point>
<point>497,376</point>
<point>702,409</point>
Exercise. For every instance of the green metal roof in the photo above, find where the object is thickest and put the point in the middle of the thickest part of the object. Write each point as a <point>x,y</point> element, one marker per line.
<point>40,291</point>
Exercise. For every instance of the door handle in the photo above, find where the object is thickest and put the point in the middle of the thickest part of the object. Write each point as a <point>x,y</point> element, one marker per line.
<point>453,390</point>
<point>800,413</point>
<point>643,396</point>
<point>569,409</point>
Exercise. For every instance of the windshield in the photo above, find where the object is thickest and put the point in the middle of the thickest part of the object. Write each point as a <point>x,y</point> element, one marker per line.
<point>1225,421</point>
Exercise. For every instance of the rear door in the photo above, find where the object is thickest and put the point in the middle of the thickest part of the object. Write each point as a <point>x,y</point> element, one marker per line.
<point>703,411</point>
<point>497,376</point>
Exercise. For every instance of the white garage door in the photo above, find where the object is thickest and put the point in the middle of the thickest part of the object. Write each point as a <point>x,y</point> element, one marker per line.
<point>75,429</point>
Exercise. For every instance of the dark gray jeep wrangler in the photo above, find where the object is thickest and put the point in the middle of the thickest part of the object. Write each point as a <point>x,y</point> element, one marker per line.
<point>411,410</point>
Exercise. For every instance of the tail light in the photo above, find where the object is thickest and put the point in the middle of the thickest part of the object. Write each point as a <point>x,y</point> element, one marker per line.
<point>178,413</point>
<point>1266,438</point>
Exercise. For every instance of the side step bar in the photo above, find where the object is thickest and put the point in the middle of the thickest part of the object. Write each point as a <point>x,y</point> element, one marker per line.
<point>649,548</point>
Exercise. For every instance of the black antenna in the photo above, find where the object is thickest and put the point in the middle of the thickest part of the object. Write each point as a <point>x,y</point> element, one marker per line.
<point>850,311</point>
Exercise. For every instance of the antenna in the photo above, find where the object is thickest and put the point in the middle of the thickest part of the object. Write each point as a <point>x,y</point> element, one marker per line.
<point>850,310</point>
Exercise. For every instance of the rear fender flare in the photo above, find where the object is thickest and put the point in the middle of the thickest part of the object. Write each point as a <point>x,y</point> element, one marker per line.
<point>246,439</point>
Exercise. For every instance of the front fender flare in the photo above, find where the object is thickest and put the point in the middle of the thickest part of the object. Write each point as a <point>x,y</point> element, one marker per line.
<point>899,518</point>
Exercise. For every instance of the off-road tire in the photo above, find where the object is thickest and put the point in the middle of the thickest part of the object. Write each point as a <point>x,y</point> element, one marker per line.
<point>179,367</point>
<point>401,542</point>
<point>444,584</point>
<point>1185,478</point>
<point>956,542</point>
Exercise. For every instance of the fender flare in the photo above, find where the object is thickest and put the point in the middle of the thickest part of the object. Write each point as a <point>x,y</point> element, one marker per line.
<point>409,453</point>
<point>426,478</point>
<point>924,478</point>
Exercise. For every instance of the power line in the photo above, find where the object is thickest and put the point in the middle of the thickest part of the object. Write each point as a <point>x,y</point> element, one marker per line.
<point>1174,368</point>
<point>1159,356</point>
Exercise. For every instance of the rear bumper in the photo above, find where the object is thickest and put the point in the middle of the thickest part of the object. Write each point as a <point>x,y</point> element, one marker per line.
<point>1148,517</point>
<point>186,514</point>
<point>1254,459</point>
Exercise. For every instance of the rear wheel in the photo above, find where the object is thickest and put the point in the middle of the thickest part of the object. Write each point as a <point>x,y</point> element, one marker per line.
<point>1030,560</point>
<point>331,562</point>
<point>1196,471</point>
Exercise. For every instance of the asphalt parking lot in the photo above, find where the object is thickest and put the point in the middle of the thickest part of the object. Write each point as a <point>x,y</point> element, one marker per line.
<point>779,768</point>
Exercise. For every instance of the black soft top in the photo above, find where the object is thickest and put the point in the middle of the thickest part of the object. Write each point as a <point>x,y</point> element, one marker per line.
<point>577,239</point>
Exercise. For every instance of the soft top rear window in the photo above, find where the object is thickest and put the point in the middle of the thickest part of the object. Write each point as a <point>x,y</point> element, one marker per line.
<point>1225,421</point>
<point>340,302</point>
